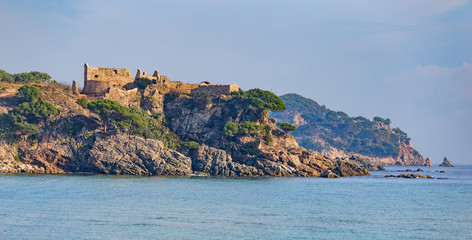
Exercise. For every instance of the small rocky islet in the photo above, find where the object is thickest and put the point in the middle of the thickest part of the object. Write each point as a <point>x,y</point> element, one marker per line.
<point>446,163</point>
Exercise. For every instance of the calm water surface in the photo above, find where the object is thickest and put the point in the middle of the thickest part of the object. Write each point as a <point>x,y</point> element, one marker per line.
<point>111,207</point>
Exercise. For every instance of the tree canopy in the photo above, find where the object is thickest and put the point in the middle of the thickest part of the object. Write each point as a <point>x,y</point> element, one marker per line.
<point>133,119</point>
<point>22,120</point>
<point>260,99</point>
<point>287,127</point>
<point>28,93</point>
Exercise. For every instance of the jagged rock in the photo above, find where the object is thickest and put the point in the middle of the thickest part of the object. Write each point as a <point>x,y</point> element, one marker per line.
<point>365,162</point>
<point>344,169</point>
<point>419,170</point>
<point>217,162</point>
<point>123,154</point>
<point>446,163</point>
<point>329,174</point>
<point>428,162</point>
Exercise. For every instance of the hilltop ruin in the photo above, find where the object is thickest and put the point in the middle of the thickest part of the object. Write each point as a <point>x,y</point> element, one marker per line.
<point>118,84</point>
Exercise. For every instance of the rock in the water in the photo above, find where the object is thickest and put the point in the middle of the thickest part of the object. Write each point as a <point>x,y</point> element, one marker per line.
<point>446,163</point>
<point>344,169</point>
<point>411,175</point>
<point>329,174</point>
<point>419,170</point>
<point>428,162</point>
<point>132,155</point>
<point>364,162</point>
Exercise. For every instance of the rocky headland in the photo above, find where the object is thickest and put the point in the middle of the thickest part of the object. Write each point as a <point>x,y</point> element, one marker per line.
<point>336,135</point>
<point>159,129</point>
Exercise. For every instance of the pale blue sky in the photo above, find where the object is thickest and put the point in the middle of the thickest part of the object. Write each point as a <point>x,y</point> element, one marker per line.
<point>410,61</point>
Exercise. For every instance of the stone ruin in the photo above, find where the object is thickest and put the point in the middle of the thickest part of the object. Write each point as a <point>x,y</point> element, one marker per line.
<point>117,84</point>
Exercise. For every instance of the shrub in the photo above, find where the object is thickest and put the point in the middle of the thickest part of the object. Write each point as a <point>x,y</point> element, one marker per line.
<point>142,83</point>
<point>231,129</point>
<point>171,96</point>
<point>200,99</point>
<point>251,148</point>
<point>6,77</point>
<point>28,93</point>
<point>134,119</point>
<point>191,145</point>
<point>82,102</point>
<point>287,127</point>
<point>258,99</point>
<point>248,127</point>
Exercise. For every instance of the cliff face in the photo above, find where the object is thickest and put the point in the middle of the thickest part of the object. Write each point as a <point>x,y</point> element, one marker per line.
<point>335,134</point>
<point>76,141</point>
<point>280,157</point>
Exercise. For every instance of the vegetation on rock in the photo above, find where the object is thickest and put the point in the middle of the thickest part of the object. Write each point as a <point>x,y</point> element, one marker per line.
<point>23,119</point>
<point>133,119</point>
<point>260,101</point>
<point>28,93</point>
<point>287,127</point>
<point>33,76</point>
<point>142,83</point>
<point>324,128</point>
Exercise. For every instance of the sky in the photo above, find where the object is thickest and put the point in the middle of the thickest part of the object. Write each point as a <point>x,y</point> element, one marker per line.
<point>407,60</point>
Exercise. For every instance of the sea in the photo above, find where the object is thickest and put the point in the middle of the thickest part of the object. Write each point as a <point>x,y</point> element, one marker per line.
<point>126,207</point>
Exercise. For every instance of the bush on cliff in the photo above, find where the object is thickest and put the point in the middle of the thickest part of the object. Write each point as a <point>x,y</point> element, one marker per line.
<point>142,83</point>
<point>232,129</point>
<point>22,120</point>
<point>33,76</point>
<point>287,127</point>
<point>251,148</point>
<point>191,145</point>
<point>258,99</point>
<point>28,93</point>
<point>133,119</point>
<point>82,102</point>
<point>200,99</point>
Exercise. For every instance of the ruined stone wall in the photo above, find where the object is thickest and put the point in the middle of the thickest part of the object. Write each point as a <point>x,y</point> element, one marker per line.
<point>122,96</point>
<point>98,80</point>
<point>217,90</point>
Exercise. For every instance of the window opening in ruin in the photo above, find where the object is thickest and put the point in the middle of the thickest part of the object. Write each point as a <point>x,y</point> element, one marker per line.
<point>115,71</point>
<point>96,76</point>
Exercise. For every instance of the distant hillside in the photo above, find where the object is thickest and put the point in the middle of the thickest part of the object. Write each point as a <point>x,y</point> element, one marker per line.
<point>334,133</point>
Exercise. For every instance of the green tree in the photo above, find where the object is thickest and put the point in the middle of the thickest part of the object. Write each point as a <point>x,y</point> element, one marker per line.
<point>231,129</point>
<point>28,93</point>
<point>287,127</point>
<point>108,110</point>
<point>261,99</point>
<point>33,76</point>
<point>6,77</point>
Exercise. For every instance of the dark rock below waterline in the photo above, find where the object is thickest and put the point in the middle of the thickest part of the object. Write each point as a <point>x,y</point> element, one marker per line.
<point>329,174</point>
<point>411,175</point>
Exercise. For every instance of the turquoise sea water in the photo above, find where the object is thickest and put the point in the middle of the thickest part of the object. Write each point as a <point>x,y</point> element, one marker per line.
<point>116,207</point>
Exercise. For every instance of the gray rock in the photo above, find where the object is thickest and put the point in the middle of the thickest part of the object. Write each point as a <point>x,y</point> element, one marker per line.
<point>217,162</point>
<point>446,163</point>
<point>132,155</point>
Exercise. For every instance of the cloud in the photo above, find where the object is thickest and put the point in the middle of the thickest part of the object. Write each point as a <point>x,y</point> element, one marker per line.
<point>455,81</point>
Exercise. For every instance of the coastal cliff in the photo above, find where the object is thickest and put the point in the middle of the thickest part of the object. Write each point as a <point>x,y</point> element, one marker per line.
<point>336,135</point>
<point>180,135</point>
